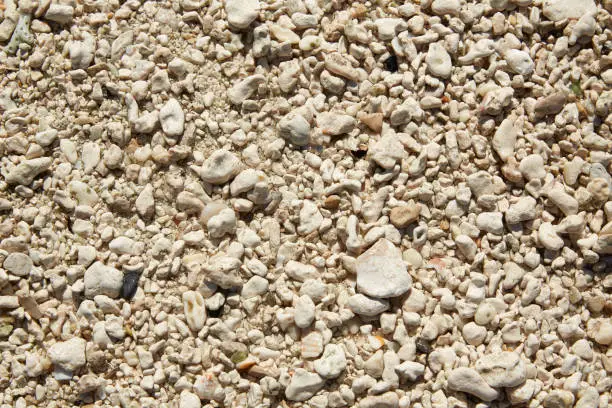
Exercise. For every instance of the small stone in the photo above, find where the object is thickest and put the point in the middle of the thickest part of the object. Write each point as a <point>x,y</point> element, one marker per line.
<point>101,279</point>
<point>241,13</point>
<point>256,286</point>
<point>304,312</point>
<point>222,223</point>
<point>310,218</point>
<point>332,363</point>
<point>60,13</point>
<point>438,61</point>
<point>468,380</point>
<point>18,264</point>
<point>522,394</point>
<point>386,400</point>
<point>9,302</point>
<point>502,369</point>
<point>474,334</point>
<point>504,139</point>
<point>68,355</point>
<point>372,120</point>
<point>523,210</point>
<point>387,151</point>
<point>312,345</point>
<point>381,272</point>
<point>519,62</point>
<point>246,88</point>
<point>303,385</point>
<point>466,246</point>
<point>588,398</point>
<point>300,272</point>
<point>145,203</point>
<point>410,370</point>
<point>335,124</point>
<point>189,400</point>
<point>125,245</point>
<point>130,285</point>
<point>559,399</point>
<point>551,104</point>
<point>295,129</point>
<point>339,65</point>
<point>25,172</point>
<point>491,222</point>
<point>194,309</point>
<point>547,235</point>
<point>366,306</point>
<point>532,167</point>
<point>172,118</point>
<point>220,167</point>
<point>557,10</point>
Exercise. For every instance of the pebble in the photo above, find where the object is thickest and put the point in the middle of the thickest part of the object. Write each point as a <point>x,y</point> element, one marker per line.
<point>25,172</point>
<point>504,139</point>
<point>246,88</point>
<point>335,124</point>
<point>557,10</point>
<point>194,309</point>
<point>438,61</point>
<point>519,62</point>
<point>172,118</point>
<point>367,306</point>
<point>410,370</point>
<point>403,216</point>
<point>523,210</point>
<point>304,311</point>
<point>18,264</point>
<point>60,13</point>
<point>189,400</point>
<point>256,286</point>
<point>295,129</point>
<point>547,235</point>
<point>381,272</point>
<point>102,279</point>
<point>220,167</point>
<point>303,385</point>
<point>130,284</point>
<point>532,167</point>
<point>241,13</point>
<point>468,380</point>
<point>491,222</point>
<point>502,369</point>
<point>332,363</point>
<point>68,355</point>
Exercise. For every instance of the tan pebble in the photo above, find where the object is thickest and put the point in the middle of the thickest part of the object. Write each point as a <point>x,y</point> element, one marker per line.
<point>372,120</point>
<point>404,215</point>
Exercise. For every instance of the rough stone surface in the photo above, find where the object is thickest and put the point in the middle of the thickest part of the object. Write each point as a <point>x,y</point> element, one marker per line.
<point>381,271</point>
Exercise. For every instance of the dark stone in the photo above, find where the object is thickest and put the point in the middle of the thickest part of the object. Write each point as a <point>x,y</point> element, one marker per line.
<point>130,284</point>
<point>391,63</point>
<point>423,346</point>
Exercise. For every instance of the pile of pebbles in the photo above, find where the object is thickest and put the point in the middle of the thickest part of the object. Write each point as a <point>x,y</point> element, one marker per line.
<point>306,203</point>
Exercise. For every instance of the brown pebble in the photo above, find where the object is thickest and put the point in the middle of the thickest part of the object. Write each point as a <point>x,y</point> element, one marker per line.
<point>404,215</point>
<point>372,120</point>
<point>332,202</point>
<point>551,104</point>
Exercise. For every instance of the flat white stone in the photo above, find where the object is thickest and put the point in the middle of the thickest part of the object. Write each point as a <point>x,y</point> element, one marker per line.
<point>502,369</point>
<point>381,272</point>
<point>332,363</point>
<point>303,385</point>
<point>101,279</point>
<point>68,355</point>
